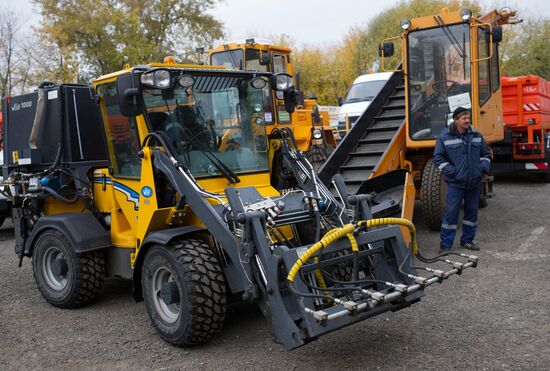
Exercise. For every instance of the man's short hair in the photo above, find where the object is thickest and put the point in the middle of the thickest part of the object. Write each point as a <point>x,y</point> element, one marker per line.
<point>459,112</point>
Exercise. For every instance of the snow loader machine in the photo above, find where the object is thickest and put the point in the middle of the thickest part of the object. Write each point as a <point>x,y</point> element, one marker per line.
<point>448,60</point>
<point>160,174</point>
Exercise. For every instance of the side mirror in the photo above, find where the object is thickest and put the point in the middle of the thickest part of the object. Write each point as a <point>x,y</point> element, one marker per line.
<point>497,34</point>
<point>386,49</point>
<point>130,100</point>
<point>315,115</point>
<point>340,101</point>
<point>264,58</point>
<point>290,98</point>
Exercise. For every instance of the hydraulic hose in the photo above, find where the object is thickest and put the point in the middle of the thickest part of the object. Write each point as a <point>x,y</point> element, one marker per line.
<point>347,230</point>
<point>392,221</point>
<point>331,236</point>
<point>60,197</point>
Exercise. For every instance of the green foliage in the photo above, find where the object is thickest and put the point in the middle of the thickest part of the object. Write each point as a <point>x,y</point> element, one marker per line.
<point>359,51</point>
<point>103,35</point>
<point>527,50</point>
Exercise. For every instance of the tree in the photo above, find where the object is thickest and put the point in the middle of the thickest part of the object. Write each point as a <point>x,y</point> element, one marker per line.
<point>9,31</point>
<point>526,51</point>
<point>358,52</point>
<point>103,35</point>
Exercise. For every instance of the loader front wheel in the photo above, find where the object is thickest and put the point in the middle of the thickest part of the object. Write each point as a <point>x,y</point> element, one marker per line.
<point>65,278</point>
<point>432,195</point>
<point>184,292</point>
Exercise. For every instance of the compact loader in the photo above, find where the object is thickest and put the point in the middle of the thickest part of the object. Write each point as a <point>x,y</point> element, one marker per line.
<point>160,174</point>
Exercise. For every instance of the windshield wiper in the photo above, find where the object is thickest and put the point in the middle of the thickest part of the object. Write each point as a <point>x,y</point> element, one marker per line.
<point>450,36</point>
<point>218,164</point>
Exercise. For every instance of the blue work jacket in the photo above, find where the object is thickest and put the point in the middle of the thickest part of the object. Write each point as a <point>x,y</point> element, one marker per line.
<point>462,158</point>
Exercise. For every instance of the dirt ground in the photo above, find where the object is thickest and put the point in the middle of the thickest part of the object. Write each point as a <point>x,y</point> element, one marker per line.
<point>494,317</point>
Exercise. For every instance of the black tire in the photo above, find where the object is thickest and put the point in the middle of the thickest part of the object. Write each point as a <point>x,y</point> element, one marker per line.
<point>64,278</point>
<point>432,196</point>
<point>2,220</point>
<point>184,292</point>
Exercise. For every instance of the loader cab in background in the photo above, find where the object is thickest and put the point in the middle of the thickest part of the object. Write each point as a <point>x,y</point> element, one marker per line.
<point>450,60</point>
<point>310,126</point>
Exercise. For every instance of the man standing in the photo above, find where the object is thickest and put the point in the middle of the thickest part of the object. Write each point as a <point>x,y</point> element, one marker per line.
<point>463,157</point>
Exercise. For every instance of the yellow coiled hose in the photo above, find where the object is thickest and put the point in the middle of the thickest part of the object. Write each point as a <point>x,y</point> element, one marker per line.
<point>347,230</point>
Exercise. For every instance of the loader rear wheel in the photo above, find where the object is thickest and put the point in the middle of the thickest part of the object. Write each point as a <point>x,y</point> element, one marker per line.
<point>432,196</point>
<point>65,278</point>
<point>184,292</point>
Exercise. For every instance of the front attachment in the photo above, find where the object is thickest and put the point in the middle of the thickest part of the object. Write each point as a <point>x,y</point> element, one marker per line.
<point>356,272</point>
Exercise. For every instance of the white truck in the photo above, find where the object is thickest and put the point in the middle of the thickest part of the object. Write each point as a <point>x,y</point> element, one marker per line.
<point>362,92</point>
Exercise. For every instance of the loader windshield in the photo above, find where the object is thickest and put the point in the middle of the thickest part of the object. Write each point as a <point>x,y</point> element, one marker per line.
<point>217,118</point>
<point>438,78</point>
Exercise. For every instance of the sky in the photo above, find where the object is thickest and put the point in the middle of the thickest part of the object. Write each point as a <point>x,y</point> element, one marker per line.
<point>312,22</point>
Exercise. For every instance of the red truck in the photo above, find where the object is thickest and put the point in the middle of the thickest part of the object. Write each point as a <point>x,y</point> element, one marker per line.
<point>526,117</point>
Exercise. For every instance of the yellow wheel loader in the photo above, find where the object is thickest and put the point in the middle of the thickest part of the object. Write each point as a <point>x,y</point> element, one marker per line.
<point>310,125</point>
<point>160,174</point>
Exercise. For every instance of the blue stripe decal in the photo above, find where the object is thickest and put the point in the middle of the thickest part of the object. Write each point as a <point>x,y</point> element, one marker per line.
<point>131,195</point>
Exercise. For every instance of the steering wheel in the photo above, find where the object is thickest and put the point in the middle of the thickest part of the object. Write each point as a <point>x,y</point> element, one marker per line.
<point>437,85</point>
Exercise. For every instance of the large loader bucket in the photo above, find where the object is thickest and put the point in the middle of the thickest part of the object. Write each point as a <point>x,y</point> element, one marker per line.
<point>357,272</point>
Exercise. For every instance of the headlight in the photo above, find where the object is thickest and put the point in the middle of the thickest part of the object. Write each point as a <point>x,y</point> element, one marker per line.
<point>531,121</point>
<point>159,79</point>
<point>258,83</point>
<point>466,14</point>
<point>405,24</point>
<point>186,81</point>
<point>317,134</point>
<point>283,82</point>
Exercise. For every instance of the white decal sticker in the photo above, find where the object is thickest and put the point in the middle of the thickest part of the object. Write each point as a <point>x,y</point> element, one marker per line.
<point>52,94</point>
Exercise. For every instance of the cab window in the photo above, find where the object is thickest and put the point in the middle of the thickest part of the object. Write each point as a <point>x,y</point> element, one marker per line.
<point>483,66</point>
<point>253,61</point>
<point>495,73</point>
<point>279,63</point>
<point>231,59</point>
<point>122,135</point>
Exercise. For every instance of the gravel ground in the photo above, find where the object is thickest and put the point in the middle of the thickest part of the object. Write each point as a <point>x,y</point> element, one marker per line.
<point>494,317</point>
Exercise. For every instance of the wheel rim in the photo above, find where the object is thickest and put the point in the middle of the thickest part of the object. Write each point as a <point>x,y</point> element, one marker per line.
<point>55,278</point>
<point>168,312</point>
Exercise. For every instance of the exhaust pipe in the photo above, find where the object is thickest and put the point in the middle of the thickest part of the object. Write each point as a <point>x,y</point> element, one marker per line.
<point>39,116</point>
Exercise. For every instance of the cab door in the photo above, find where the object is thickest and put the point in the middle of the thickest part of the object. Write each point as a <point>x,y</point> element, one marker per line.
<point>123,178</point>
<point>488,96</point>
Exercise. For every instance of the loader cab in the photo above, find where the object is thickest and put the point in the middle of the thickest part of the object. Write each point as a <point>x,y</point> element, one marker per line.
<point>216,120</point>
<point>213,120</point>
<point>256,54</point>
<point>310,126</point>
<point>253,54</point>
<point>450,60</point>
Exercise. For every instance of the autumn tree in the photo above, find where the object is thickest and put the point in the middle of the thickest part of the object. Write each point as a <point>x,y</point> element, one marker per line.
<point>14,64</point>
<point>103,35</point>
<point>526,50</point>
<point>358,52</point>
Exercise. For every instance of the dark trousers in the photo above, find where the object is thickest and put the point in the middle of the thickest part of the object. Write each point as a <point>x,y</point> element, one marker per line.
<point>454,199</point>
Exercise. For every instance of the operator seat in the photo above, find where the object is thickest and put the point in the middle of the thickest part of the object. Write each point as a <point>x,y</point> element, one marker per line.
<point>158,120</point>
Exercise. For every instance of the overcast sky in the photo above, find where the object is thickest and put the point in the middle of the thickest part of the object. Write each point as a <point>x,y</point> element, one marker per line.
<point>313,22</point>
